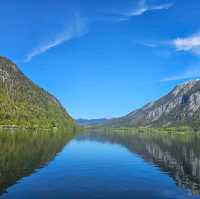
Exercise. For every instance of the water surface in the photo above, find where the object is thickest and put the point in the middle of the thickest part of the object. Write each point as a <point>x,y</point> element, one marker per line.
<point>99,165</point>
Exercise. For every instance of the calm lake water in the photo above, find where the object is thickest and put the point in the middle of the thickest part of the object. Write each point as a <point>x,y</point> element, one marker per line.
<point>99,165</point>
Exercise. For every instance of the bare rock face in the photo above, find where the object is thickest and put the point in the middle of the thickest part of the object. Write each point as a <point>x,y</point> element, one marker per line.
<point>7,70</point>
<point>181,105</point>
<point>10,77</point>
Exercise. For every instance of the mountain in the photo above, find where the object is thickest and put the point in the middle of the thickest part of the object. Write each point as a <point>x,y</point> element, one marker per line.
<point>91,122</point>
<point>24,104</point>
<point>181,106</point>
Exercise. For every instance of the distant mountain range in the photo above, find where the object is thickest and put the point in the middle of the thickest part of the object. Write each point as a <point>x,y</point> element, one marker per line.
<point>91,122</point>
<point>181,106</point>
<point>24,104</point>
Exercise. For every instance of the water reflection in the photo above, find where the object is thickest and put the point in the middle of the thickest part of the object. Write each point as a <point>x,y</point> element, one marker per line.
<point>176,154</point>
<point>22,152</point>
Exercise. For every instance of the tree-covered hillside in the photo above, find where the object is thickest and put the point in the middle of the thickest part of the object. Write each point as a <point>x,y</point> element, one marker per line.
<point>22,103</point>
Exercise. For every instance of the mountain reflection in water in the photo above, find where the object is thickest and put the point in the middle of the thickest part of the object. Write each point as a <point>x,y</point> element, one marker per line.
<point>95,165</point>
<point>176,154</point>
<point>22,152</point>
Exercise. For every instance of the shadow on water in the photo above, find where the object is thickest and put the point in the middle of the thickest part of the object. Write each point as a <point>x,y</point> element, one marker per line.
<point>22,152</point>
<point>178,155</point>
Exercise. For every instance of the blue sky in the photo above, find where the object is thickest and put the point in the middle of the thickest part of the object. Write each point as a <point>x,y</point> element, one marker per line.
<point>103,58</point>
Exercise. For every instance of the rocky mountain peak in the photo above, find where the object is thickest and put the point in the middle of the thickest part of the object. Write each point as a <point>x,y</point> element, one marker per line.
<point>7,65</point>
<point>185,87</point>
<point>180,106</point>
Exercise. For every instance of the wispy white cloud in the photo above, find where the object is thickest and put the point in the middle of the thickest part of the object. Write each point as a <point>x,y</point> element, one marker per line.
<point>188,74</point>
<point>76,29</point>
<point>144,7</point>
<point>140,8</point>
<point>190,44</point>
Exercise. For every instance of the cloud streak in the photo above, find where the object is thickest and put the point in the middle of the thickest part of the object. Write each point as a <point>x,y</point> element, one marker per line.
<point>188,44</point>
<point>144,7</point>
<point>76,29</point>
<point>188,74</point>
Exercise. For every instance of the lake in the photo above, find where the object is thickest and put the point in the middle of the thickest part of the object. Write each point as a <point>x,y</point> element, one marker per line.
<point>99,165</point>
